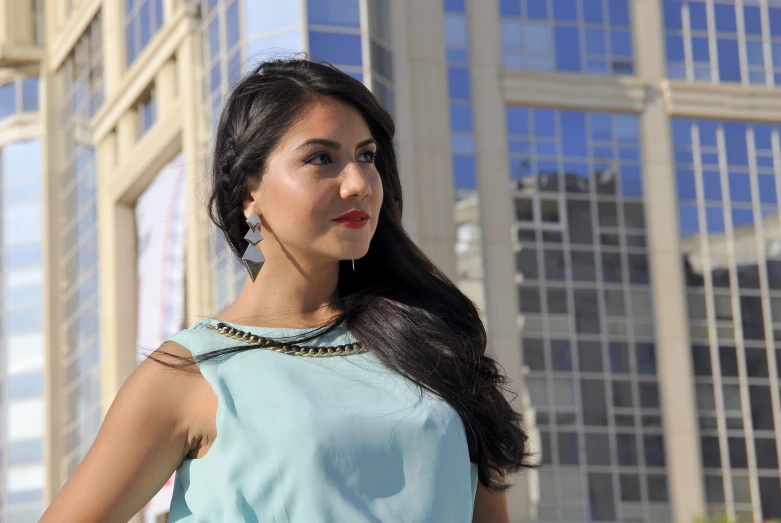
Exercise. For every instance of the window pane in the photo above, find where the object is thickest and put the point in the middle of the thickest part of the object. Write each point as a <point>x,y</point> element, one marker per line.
<point>29,451</point>
<point>23,224</point>
<point>30,94</point>
<point>334,12</point>
<point>601,501</point>
<point>7,99</point>
<point>269,16</point>
<point>737,453</point>
<point>27,477</point>
<point>274,46</point>
<point>568,448</point>
<point>22,159</point>
<point>25,419</point>
<point>711,456</point>
<point>25,353</point>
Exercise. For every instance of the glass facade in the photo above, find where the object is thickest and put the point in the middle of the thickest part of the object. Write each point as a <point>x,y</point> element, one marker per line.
<point>724,41</point>
<point>469,249</point>
<point>143,18</point>
<point>80,79</point>
<point>579,36</point>
<point>22,339</point>
<point>726,175</point>
<point>588,336</point>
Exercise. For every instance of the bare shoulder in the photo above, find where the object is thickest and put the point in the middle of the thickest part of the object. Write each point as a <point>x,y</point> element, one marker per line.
<point>154,422</point>
<point>194,398</point>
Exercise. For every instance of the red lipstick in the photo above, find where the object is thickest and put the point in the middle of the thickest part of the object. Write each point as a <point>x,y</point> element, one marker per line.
<point>354,218</point>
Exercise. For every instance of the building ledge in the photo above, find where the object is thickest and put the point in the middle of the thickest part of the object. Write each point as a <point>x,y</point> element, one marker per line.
<point>722,101</point>
<point>15,55</point>
<point>577,91</point>
<point>20,127</point>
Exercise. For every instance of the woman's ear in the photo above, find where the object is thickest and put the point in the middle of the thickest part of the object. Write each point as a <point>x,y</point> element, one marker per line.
<point>252,196</point>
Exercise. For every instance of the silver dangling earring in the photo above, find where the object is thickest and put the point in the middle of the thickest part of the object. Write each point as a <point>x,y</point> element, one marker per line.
<point>253,259</point>
<point>353,265</point>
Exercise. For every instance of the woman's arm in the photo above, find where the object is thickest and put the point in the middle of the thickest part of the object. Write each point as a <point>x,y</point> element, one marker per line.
<point>490,507</point>
<point>142,441</point>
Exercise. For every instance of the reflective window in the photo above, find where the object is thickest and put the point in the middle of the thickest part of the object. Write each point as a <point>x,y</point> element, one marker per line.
<point>23,255</point>
<point>28,451</point>
<point>536,37</point>
<point>23,224</point>
<point>25,477</point>
<point>336,48</point>
<point>25,353</point>
<point>263,17</point>
<point>689,32</point>
<point>143,18</point>
<point>30,94</point>
<point>770,500</point>
<point>334,12</point>
<point>7,99</point>
<point>25,385</point>
<point>23,191</point>
<point>22,159</point>
<point>25,419</point>
<point>146,111</point>
<point>277,45</point>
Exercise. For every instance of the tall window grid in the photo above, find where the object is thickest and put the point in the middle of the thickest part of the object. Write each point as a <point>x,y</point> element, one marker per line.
<point>335,34</point>
<point>80,79</point>
<point>727,176</point>
<point>469,252</point>
<point>21,371</point>
<point>579,36</point>
<point>587,322</point>
<point>724,41</point>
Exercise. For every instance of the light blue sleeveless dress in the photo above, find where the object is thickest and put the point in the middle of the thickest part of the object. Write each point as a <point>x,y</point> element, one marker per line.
<point>336,439</point>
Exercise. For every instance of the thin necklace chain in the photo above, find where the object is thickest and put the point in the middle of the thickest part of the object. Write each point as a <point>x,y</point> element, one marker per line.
<point>292,349</point>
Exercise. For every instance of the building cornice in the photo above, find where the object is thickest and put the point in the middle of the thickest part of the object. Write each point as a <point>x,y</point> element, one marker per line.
<point>576,91</point>
<point>722,101</point>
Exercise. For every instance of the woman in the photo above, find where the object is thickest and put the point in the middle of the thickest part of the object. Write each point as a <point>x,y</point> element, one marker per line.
<point>348,381</point>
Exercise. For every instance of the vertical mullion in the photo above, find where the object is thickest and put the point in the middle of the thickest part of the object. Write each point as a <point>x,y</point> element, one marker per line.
<point>711,318</point>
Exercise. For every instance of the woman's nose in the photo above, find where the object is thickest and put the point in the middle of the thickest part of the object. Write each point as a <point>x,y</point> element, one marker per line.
<point>355,183</point>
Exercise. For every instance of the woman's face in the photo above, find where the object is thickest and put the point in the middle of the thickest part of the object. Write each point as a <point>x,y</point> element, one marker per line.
<point>322,168</point>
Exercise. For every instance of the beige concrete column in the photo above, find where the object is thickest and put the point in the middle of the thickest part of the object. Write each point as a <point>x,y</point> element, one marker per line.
<point>672,330</point>
<point>496,212</point>
<point>423,127</point>
<point>113,14</point>
<point>165,88</point>
<point>51,149</point>
<point>195,138</point>
<point>117,262</point>
<point>127,134</point>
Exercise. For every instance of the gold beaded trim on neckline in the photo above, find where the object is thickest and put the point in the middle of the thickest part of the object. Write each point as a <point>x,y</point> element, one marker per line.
<point>294,350</point>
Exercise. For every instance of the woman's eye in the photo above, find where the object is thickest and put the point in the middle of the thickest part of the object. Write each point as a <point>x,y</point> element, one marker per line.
<point>320,159</point>
<point>369,156</point>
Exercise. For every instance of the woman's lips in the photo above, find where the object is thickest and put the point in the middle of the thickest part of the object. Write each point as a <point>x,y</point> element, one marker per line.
<point>353,223</point>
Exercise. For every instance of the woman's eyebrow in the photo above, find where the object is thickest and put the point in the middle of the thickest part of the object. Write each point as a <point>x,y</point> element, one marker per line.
<point>332,144</point>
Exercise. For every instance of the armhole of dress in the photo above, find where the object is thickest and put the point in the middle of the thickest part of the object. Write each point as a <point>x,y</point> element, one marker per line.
<point>190,338</point>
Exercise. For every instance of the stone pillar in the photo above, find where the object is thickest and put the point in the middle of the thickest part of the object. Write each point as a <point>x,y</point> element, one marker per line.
<point>496,210</point>
<point>682,447</point>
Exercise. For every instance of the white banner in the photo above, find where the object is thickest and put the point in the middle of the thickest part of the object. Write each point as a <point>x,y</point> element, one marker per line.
<point>160,229</point>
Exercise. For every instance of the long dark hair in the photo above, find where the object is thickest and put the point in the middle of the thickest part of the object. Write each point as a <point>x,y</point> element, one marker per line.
<point>398,304</point>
